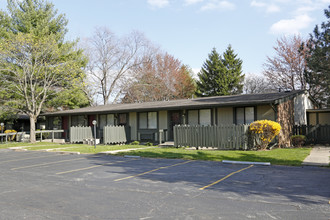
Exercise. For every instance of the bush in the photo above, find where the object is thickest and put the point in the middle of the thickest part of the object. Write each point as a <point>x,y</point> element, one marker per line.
<point>263,132</point>
<point>149,144</point>
<point>298,140</point>
<point>11,137</point>
<point>44,135</point>
<point>135,143</point>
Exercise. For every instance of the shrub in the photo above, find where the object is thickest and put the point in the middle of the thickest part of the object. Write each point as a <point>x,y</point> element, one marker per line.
<point>263,132</point>
<point>298,140</point>
<point>11,137</point>
<point>149,144</point>
<point>135,143</point>
<point>45,135</point>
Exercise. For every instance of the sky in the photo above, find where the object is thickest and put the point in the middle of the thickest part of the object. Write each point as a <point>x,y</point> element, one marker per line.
<point>189,29</point>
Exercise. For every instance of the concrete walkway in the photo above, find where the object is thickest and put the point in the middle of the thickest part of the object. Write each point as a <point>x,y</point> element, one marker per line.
<point>124,150</point>
<point>319,156</point>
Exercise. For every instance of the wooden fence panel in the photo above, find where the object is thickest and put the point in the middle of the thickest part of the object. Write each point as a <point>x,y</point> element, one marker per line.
<point>315,134</point>
<point>114,135</point>
<point>231,137</point>
<point>77,134</point>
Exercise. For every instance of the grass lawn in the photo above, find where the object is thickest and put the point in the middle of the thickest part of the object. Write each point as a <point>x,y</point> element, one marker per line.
<point>290,157</point>
<point>20,144</point>
<point>87,149</point>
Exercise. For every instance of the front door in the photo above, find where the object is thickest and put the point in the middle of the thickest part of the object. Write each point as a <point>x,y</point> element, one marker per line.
<point>175,119</point>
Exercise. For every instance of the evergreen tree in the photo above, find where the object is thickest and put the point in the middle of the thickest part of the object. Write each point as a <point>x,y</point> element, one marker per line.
<point>220,75</point>
<point>233,67</point>
<point>317,72</point>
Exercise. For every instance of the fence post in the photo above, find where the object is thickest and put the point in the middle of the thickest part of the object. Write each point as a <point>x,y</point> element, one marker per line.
<point>175,128</point>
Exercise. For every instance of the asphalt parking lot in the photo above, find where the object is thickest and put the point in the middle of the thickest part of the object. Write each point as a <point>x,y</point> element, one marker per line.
<point>41,185</point>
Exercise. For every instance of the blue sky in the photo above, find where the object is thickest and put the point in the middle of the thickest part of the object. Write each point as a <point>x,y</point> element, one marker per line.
<point>189,29</point>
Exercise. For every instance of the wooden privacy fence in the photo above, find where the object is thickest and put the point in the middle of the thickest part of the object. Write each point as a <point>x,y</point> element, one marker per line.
<point>114,135</point>
<point>315,134</point>
<point>78,134</point>
<point>222,137</point>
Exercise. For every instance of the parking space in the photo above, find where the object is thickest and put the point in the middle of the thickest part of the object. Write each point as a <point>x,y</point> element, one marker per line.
<point>64,186</point>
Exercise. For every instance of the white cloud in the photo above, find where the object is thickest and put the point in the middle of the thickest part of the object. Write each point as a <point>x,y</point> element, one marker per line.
<point>269,7</point>
<point>291,26</point>
<point>216,5</point>
<point>272,8</point>
<point>192,2</point>
<point>158,3</point>
<point>258,4</point>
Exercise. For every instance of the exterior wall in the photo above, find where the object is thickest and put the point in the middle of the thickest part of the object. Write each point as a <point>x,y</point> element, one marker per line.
<point>285,117</point>
<point>265,112</point>
<point>133,124</point>
<point>225,115</point>
<point>301,103</point>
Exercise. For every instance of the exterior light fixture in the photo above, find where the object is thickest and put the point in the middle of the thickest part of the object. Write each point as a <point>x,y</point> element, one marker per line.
<point>94,122</point>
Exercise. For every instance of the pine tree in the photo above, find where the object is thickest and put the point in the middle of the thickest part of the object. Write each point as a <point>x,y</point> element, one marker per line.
<point>317,72</point>
<point>233,67</point>
<point>220,75</point>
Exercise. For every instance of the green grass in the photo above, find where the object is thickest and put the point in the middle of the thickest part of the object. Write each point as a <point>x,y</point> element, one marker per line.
<point>82,148</point>
<point>290,157</point>
<point>87,149</point>
<point>20,144</point>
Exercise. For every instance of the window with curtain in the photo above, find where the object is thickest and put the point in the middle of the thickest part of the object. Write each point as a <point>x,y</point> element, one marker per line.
<point>244,115</point>
<point>193,117</point>
<point>103,121</point>
<point>110,119</point>
<point>205,117</point>
<point>148,120</point>
<point>152,120</point>
<point>199,117</point>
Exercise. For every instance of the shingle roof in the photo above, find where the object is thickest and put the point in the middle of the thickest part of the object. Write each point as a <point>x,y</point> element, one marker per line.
<point>205,102</point>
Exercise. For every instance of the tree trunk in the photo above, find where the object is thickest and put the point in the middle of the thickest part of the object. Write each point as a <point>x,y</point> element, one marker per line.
<point>32,129</point>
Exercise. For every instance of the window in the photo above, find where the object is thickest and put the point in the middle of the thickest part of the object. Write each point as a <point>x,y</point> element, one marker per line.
<point>205,117</point>
<point>78,120</point>
<point>103,121</point>
<point>152,120</point>
<point>193,117</point>
<point>244,115</point>
<point>122,119</point>
<point>110,119</point>
<point>202,117</point>
<point>148,120</point>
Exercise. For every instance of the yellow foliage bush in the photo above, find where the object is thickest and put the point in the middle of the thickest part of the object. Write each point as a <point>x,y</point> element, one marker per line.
<point>11,137</point>
<point>264,131</point>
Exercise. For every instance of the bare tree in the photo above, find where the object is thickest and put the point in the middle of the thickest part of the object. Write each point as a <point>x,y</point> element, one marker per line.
<point>256,84</point>
<point>112,61</point>
<point>286,69</point>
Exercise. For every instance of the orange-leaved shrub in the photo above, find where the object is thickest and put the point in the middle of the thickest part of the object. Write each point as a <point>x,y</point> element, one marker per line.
<point>263,132</point>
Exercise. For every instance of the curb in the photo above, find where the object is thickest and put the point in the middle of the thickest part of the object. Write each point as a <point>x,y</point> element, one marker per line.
<point>246,162</point>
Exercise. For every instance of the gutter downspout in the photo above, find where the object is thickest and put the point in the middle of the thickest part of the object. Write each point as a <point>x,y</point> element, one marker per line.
<point>272,105</point>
